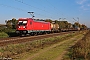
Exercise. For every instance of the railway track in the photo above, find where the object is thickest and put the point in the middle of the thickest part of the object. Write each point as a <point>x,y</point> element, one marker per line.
<point>16,40</point>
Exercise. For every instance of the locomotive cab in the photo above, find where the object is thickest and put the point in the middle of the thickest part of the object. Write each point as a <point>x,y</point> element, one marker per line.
<point>22,26</point>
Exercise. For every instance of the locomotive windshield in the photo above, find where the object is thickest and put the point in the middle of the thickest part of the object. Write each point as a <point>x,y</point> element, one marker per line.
<point>22,23</point>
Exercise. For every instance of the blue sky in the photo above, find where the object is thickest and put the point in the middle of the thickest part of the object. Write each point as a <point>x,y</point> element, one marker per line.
<point>46,9</point>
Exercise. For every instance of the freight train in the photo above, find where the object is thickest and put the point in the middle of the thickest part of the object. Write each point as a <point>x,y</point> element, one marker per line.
<point>33,27</point>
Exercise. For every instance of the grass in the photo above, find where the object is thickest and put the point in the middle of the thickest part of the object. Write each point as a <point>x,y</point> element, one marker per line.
<point>33,46</point>
<point>81,50</point>
<point>3,35</point>
<point>49,55</point>
<point>55,51</point>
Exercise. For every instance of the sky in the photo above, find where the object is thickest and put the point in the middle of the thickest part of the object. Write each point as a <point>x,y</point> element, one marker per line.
<point>70,10</point>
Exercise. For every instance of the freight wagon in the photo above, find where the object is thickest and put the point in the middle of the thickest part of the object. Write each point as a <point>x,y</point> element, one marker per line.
<point>54,27</point>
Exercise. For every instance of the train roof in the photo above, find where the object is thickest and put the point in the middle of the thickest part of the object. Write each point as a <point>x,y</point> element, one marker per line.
<point>37,20</point>
<point>24,18</point>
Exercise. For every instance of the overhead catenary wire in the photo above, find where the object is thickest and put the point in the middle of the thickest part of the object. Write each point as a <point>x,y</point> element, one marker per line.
<point>35,7</point>
<point>12,7</point>
<point>52,5</point>
<point>23,10</point>
<point>49,7</point>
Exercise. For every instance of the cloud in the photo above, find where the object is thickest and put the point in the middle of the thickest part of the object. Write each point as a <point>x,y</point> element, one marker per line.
<point>84,5</point>
<point>81,2</point>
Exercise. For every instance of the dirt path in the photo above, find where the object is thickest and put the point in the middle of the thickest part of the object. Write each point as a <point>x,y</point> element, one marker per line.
<point>44,50</point>
<point>60,57</point>
<point>68,42</point>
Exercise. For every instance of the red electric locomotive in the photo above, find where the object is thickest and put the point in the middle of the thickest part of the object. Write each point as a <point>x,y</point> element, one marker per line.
<point>30,26</point>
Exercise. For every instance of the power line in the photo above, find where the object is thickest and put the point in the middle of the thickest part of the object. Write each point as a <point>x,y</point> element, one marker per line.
<point>52,5</point>
<point>19,9</point>
<point>33,6</point>
<point>54,8</point>
<point>13,7</point>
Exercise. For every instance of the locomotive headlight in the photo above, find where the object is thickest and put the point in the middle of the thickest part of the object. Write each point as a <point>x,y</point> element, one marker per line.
<point>23,26</point>
<point>19,27</point>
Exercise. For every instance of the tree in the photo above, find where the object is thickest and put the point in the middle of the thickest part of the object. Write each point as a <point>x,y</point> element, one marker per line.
<point>48,20</point>
<point>63,24</point>
<point>56,21</point>
<point>11,23</point>
<point>76,24</point>
<point>84,26</point>
<point>14,23</point>
<point>69,25</point>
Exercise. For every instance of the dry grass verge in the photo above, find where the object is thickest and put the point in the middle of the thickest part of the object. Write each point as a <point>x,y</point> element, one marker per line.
<point>81,50</point>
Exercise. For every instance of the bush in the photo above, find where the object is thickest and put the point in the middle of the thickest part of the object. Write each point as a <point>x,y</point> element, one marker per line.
<point>10,32</point>
<point>3,35</point>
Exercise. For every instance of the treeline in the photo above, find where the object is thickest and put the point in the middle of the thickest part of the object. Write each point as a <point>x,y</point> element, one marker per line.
<point>66,24</point>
